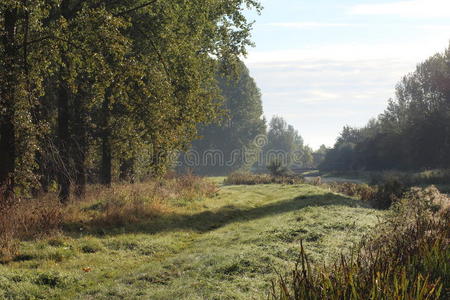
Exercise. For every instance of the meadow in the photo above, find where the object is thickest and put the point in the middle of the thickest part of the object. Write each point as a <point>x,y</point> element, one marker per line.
<point>227,243</point>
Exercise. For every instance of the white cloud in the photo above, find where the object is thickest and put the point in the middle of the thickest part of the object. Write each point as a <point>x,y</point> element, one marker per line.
<point>309,25</point>
<point>353,52</point>
<point>409,9</point>
<point>435,27</point>
<point>321,88</point>
<point>323,94</point>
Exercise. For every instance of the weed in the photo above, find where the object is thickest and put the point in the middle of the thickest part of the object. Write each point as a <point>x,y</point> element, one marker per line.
<point>407,257</point>
<point>27,219</point>
<point>381,196</point>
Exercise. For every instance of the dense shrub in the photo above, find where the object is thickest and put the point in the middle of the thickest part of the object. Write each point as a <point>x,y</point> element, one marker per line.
<point>387,194</point>
<point>254,179</point>
<point>362,191</point>
<point>411,179</point>
<point>380,196</point>
<point>277,169</point>
<point>406,257</point>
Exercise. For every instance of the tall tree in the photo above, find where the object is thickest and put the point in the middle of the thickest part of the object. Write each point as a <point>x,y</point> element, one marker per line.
<point>91,83</point>
<point>285,145</point>
<point>235,133</point>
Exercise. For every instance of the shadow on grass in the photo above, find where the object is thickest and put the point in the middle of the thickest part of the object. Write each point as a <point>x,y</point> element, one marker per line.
<point>211,220</point>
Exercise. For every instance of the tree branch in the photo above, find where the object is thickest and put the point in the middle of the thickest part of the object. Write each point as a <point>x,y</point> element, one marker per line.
<point>135,8</point>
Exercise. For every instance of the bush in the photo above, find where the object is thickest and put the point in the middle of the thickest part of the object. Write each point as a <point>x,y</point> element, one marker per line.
<point>277,169</point>
<point>411,179</point>
<point>381,196</point>
<point>406,257</point>
<point>362,191</point>
<point>388,193</point>
<point>254,179</point>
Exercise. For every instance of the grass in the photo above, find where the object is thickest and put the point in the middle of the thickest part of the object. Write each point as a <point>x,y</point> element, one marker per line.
<point>406,257</point>
<point>229,246</point>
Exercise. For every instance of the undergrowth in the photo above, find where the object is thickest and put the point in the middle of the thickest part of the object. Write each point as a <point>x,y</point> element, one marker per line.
<point>254,179</point>
<point>381,196</point>
<point>406,257</point>
<point>122,204</point>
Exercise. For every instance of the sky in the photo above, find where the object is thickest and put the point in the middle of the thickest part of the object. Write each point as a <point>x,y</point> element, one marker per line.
<point>324,64</point>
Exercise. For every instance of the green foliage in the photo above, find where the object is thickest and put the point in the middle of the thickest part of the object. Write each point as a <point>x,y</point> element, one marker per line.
<point>380,196</point>
<point>388,193</point>
<point>285,145</point>
<point>276,168</point>
<point>95,90</point>
<point>362,191</point>
<point>319,156</point>
<point>235,133</point>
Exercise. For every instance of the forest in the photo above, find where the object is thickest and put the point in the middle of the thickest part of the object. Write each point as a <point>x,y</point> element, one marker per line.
<point>93,91</point>
<point>138,161</point>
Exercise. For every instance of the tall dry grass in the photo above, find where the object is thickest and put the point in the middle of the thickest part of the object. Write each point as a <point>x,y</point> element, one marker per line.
<point>243,178</point>
<point>406,257</point>
<point>381,196</point>
<point>118,206</point>
<point>122,204</point>
<point>27,219</point>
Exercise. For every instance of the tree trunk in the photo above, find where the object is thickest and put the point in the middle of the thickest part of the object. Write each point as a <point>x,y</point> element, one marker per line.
<point>44,171</point>
<point>80,148</point>
<point>127,170</point>
<point>7,98</point>
<point>106,164</point>
<point>80,164</point>
<point>63,143</point>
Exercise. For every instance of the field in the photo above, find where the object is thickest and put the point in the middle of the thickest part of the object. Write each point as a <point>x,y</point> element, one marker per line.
<point>225,247</point>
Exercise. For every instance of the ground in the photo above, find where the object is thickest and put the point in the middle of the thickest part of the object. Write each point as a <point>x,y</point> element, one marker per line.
<point>228,247</point>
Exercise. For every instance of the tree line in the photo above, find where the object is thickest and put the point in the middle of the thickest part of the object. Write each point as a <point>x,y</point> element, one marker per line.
<point>94,90</point>
<point>413,133</point>
<point>222,146</point>
<point>242,140</point>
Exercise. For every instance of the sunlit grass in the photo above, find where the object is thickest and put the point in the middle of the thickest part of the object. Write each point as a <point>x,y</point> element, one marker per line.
<point>226,247</point>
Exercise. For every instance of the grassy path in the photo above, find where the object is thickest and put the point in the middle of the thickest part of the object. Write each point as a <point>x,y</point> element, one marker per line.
<point>227,247</point>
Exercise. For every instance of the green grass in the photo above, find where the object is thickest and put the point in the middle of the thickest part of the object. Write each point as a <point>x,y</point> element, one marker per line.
<point>227,247</point>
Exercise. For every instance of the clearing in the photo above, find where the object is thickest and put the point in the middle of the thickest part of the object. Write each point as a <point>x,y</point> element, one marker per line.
<point>228,247</point>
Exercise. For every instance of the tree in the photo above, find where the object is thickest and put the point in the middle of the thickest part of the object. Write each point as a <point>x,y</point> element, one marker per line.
<point>235,132</point>
<point>22,64</point>
<point>285,145</point>
<point>319,155</point>
<point>89,87</point>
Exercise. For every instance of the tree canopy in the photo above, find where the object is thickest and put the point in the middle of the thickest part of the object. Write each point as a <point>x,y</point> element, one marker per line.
<point>92,90</point>
<point>228,145</point>
<point>285,146</point>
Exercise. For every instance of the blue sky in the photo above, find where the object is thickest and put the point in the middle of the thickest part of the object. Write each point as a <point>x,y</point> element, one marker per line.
<point>323,64</point>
